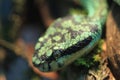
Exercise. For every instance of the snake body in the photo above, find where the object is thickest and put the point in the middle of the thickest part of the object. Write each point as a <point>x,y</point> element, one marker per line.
<point>70,37</point>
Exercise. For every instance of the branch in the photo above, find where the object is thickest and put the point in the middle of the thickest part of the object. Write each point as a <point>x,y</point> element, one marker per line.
<point>11,46</point>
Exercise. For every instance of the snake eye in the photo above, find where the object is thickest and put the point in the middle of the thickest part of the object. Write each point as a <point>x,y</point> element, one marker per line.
<point>57,54</point>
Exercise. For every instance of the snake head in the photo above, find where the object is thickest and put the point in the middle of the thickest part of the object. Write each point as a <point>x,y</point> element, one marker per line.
<point>65,41</point>
<point>55,59</point>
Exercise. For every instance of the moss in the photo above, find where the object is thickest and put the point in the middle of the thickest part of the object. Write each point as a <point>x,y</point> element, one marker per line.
<point>92,59</point>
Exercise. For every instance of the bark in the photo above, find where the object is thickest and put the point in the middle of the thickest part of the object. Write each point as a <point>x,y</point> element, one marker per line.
<point>113,41</point>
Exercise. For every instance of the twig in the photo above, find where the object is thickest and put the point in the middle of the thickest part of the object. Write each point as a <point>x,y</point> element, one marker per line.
<point>11,46</point>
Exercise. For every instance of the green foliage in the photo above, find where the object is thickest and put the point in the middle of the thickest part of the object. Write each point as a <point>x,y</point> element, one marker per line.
<point>93,59</point>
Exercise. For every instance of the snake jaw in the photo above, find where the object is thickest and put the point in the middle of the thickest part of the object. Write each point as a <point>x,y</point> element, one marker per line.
<point>48,64</point>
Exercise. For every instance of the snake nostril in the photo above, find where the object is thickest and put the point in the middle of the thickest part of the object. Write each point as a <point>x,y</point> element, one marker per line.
<point>43,57</point>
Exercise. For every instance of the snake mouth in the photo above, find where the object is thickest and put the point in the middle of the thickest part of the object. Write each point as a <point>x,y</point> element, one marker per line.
<point>49,66</point>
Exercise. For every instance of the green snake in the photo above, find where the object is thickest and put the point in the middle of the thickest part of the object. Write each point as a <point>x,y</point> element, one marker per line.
<point>70,37</point>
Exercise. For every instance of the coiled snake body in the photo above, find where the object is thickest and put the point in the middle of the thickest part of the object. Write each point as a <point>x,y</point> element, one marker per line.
<point>70,37</point>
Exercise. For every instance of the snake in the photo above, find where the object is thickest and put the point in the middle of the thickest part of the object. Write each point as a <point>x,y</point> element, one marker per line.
<point>70,37</point>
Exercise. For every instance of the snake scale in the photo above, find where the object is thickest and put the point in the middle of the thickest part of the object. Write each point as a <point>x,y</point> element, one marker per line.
<point>70,37</point>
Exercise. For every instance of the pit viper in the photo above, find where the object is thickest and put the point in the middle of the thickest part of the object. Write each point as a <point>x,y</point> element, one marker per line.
<point>70,37</point>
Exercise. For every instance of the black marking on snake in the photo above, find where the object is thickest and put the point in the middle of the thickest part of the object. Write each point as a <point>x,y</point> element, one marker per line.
<point>49,67</point>
<point>70,50</point>
<point>74,33</point>
<point>60,53</point>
